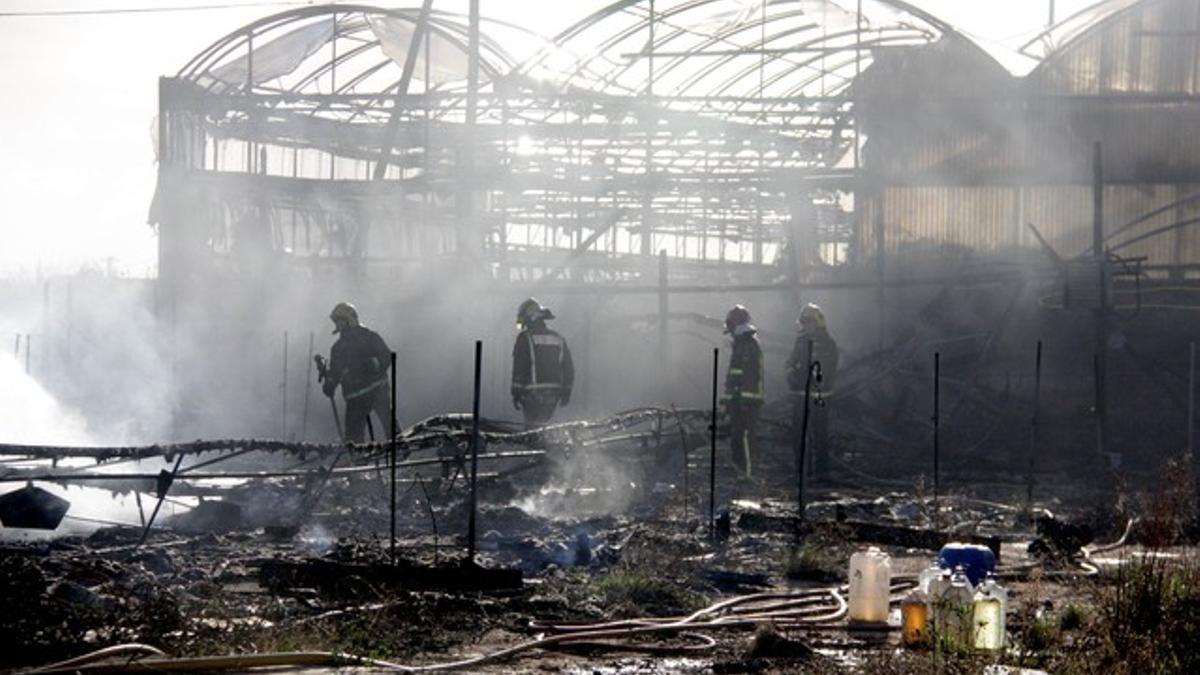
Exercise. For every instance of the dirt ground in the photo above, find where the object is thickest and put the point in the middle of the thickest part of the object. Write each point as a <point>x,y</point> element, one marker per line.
<point>212,593</point>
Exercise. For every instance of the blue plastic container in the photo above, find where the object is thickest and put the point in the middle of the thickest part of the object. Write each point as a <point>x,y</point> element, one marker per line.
<point>977,561</point>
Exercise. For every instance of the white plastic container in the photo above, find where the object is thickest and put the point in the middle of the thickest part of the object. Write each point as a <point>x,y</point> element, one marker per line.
<point>991,605</point>
<point>927,575</point>
<point>955,612</point>
<point>870,586</point>
<point>938,583</point>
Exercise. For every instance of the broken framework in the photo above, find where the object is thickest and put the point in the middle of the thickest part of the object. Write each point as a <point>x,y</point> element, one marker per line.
<point>701,128</point>
<point>698,128</point>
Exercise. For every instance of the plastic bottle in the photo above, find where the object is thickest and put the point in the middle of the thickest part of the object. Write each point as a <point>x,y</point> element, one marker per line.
<point>956,614</point>
<point>914,617</point>
<point>991,604</point>
<point>938,585</point>
<point>870,586</point>
<point>927,575</point>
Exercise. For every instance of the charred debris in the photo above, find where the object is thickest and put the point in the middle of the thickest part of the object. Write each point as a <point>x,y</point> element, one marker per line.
<point>831,277</point>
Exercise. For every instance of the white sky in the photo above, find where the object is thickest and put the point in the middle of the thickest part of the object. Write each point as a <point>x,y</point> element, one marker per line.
<point>80,93</point>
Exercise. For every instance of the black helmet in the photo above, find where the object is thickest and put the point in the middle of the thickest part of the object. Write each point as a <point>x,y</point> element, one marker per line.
<point>532,311</point>
<point>343,312</point>
<point>736,316</point>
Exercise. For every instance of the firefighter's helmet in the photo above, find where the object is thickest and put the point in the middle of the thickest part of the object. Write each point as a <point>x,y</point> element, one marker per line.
<point>811,317</point>
<point>532,311</point>
<point>736,317</point>
<point>343,313</point>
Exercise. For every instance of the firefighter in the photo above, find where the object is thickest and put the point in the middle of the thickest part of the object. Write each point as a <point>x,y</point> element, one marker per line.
<point>542,374</point>
<point>743,387</point>
<point>358,361</point>
<point>814,330</point>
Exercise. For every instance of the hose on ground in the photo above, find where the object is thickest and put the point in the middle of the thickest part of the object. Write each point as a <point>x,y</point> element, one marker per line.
<point>131,648</point>
<point>816,607</point>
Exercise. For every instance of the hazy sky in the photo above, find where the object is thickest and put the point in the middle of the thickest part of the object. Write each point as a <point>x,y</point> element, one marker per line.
<point>79,98</point>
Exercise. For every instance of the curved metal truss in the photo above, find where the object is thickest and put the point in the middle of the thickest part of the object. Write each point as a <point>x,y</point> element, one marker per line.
<point>1055,39</point>
<point>695,127</point>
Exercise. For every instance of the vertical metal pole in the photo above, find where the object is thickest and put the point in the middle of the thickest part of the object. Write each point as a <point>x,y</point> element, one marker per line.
<point>712,458</point>
<point>468,178</point>
<point>474,456</point>
<point>683,444</point>
<point>1099,314</point>
<point>937,368</point>
<point>307,388</point>
<point>137,496</point>
<point>663,314</point>
<point>1033,431</point>
<point>45,328</point>
<point>392,454</point>
<point>650,125</point>
<point>1191,416</point>
<point>161,497</point>
<point>68,329</point>
<point>858,16</point>
<point>879,226</point>
<point>283,391</point>
<point>803,438</point>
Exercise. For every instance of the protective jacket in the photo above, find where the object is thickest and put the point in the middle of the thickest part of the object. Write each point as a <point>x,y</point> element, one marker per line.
<point>542,364</point>
<point>824,349</point>
<point>744,379</point>
<point>359,362</point>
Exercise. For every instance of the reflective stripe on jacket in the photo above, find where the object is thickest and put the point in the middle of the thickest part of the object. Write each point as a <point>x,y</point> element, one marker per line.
<point>541,362</point>
<point>744,378</point>
<point>359,361</point>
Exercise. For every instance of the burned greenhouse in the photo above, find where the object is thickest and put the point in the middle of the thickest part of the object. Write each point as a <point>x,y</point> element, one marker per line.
<point>847,339</point>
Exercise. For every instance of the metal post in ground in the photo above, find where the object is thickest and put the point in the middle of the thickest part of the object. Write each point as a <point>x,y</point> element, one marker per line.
<point>474,456</point>
<point>683,444</point>
<point>712,459</point>
<point>937,367</point>
<point>165,481</point>
<point>307,389</point>
<point>802,452</point>
<point>393,456</point>
<point>283,391</point>
<point>1100,313</point>
<point>664,313</point>
<point>1191,416</point>
<point>1033,429</point>
<point>137,496</point>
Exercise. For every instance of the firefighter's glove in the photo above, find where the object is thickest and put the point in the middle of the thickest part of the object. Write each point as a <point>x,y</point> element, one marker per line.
<point>329,387</point>
<point>516,401</point>
<point>565,398</point>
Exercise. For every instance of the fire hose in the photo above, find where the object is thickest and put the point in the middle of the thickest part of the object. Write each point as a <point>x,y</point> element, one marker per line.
<point>814,608</point>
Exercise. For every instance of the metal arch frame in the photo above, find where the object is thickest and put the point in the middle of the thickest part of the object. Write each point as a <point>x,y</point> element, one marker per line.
<point>495,63</point>
<point>696,172</point>
<point>1083,33</point>
<point>698,85</point>
<point>593,20</point>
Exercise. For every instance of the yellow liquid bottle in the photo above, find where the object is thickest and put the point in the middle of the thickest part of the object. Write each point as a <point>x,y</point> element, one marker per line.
<point>914,618</point>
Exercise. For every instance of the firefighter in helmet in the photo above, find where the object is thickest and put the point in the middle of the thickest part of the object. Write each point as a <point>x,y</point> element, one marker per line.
<point>542,374</point>
<point>814,344</point>
<point>358,361</point>
<point>743,387</point>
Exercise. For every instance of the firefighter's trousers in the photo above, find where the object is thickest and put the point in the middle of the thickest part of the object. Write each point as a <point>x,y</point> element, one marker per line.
<point>743,432</point>
<point>358,408</point>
